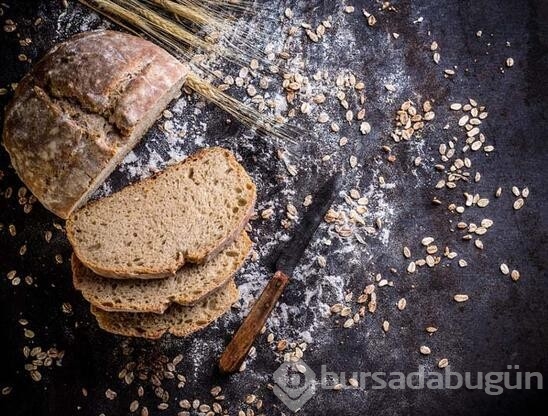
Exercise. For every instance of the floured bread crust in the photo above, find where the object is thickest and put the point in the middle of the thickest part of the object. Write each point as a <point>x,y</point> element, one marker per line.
<point>82,108</point>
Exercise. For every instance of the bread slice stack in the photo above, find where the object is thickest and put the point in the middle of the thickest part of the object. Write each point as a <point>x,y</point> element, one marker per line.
<point>160,255</point>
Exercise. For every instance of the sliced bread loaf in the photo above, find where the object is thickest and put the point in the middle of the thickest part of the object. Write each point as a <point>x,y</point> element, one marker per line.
<point>190,285</point>
<point>187,213</point>
<point>177,320</point>
<point>82,108</point>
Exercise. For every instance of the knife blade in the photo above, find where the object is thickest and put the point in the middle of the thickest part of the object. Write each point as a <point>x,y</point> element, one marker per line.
<point>293,250</point>
<point>290,255</point>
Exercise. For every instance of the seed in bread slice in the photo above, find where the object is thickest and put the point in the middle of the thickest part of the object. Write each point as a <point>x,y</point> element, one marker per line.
<point>187,213</point>
<point>177,320</point>
<point>191,284</point>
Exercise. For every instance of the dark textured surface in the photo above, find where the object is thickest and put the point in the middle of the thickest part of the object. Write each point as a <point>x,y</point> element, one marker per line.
<point>503,323</point>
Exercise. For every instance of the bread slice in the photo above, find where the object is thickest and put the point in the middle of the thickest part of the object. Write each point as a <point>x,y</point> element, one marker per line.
<point>190,285</point>
<point>177,320</point>
<point>82,108</point>
<point>187,213</point>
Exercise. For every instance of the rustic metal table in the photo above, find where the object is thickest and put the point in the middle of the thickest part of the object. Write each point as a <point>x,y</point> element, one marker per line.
<point>503,322</point>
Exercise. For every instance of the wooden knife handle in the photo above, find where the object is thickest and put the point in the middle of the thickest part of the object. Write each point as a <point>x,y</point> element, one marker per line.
<point>236,351</point>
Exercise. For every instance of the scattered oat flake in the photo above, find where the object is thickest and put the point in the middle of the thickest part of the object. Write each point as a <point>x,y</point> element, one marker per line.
<point>349,116</point>
<point>349,323</point>
<point>336,308</point>
<point>427,241</point>
<point>518,204</point>
<point>185,404</point>
<point>406,252</point>
<point>504,269</point>
<point>323,118</point>
<point>444,362</point>
<point>460,298</point>
<point>346,311</point>
<point>487,223</point>
<point>411,268</point>
<point>424,350</point>
<point>312,35</point>
<point>321,261</point>
<point>301,368</point>
<point>365,128</point>
<point>353,160</point>
<point>353,382</point>
<point>110,394</point>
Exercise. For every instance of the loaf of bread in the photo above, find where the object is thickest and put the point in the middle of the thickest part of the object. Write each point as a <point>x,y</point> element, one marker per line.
<point>190,285</point>
<point>187,213</point>
<point>178,320</point>
<point>82,108</point>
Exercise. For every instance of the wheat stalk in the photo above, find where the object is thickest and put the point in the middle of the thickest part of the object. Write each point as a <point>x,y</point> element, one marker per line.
<point>189,11</point>
<point>246,115</point>
<point>173,36</point>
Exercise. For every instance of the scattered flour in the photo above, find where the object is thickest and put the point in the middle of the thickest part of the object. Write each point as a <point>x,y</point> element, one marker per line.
<point>76,18</point>
<point>188,127</point>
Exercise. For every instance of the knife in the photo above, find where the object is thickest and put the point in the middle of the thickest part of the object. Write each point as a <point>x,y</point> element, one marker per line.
<point>290,255</point>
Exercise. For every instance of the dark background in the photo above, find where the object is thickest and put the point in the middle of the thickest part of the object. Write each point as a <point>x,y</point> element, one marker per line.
<point>504,323</point>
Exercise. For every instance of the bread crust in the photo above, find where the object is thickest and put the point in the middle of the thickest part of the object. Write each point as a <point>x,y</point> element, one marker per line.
<point>80,274</point>
<point>128,324</point>
<point>82,108</point>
